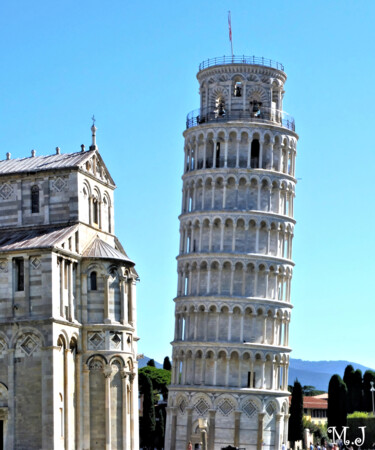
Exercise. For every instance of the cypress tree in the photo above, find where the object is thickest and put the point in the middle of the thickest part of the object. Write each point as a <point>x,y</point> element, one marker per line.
<point>357,391</point>
<point>295,432</point>
<point>368,376</point>
<point>148,419</point>
<point>151,362</point>
<point>348,380</point>
<point>167,363</point>
<point>337,402</point>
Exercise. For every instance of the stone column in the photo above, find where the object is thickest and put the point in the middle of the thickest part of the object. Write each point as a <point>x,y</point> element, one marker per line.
<point>204,153</point>
<point>264,329</point>
<point>62,281</point>
<point>86,407</point>
<point>286,422</point>
<point>215,370</point>
<point>78,424</point>
<point>124,300</point>
<point>226,154</point>
<point>260,430</point>
<point>224,194</point>
<point>272,149</point>
<point>70,291</point>
<point>214,154</point>
<point>84,297</point>
<point>222,236</point>
<point>211,429</point>
<point>237,422</point>
<point>189,412</point>
<point>251,374</point>
<point>230,314</point>
<point>11,399</point>
<point>106,299</point>
<point>210,237</point>
<point>172,411</point>
<point>133,300</point>
<point>261,143</point>
<point>237,153</point>
<point>213,193</point>
<point>132,406</point>
<point>277,431</point>
<point>249,155</point>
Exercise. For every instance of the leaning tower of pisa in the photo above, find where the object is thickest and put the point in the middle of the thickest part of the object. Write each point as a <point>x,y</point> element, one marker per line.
<point>232,310</point>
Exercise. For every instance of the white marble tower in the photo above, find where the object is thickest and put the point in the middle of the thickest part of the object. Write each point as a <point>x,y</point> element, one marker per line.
<point>231,343</point>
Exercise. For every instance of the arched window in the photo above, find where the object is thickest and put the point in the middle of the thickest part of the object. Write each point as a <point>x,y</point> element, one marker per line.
<point>254,153</point>
<point>238,89</point>
<point>93,281</point>
<point>34,199</point>
<point>95,211</point>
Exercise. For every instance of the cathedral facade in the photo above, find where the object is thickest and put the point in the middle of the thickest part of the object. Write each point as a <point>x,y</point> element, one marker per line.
<point>232,310</point>
<point>68,343</point>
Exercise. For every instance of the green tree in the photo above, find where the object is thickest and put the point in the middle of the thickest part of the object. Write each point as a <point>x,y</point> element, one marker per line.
<point>151,362</point>
<point>349,380</point>
<point>295,432</point>
<point>147,423</point>
<point>357,391</point>
<point>160,379</point>
<point>337,402</point>
<point>167,363</point>
<point>160,428</point>
<point>368,376</point>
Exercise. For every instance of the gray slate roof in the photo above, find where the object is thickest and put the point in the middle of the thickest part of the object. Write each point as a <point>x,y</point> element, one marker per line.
<point>49,162</point>
<point>29,239</point>
<point>101,250</point>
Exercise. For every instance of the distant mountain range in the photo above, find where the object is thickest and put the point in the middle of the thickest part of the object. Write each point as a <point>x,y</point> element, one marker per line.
<point>318,373</point>
<point>308,373</point>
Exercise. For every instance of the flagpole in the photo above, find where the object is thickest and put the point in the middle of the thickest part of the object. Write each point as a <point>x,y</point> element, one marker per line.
<point>230,32</point>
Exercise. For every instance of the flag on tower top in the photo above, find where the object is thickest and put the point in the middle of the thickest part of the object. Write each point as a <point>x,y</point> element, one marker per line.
<point>230,31</point>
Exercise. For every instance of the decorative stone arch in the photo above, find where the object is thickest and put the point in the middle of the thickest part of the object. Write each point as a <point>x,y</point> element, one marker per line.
<point>96,357</point>
<point>27,331</point>
<point>216,94</point>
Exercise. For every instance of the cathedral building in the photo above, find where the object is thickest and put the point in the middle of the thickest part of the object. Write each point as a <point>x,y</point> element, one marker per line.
<point>233,305</point>
<point>68,342</point>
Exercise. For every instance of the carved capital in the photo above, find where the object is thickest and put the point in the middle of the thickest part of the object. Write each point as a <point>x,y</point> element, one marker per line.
<point>107,371</point>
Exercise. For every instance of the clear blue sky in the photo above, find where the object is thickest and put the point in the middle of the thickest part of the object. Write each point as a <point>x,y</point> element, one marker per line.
<point>133,65</point>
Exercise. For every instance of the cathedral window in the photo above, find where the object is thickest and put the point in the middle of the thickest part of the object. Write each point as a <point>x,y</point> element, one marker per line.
<point>93,281</point>
<point>19,274</point>
<point>35,199</point>
<point>95,211</point>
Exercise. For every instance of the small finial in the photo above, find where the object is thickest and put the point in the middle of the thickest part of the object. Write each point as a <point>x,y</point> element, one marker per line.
<point>57,150</point>
<point>8,156</point>
<point>33,152</point>
<point>93,130</point>
<point>82,147</point>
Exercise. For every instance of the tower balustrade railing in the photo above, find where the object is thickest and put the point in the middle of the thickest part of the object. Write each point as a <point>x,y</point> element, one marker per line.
<point>263,114</point>
<point>242,59</point>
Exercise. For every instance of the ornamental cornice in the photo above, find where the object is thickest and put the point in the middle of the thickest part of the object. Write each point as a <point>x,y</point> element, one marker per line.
<point>270,126</point>
<point>234,69</point>
<point>236,257</point>
<point>242,348</point>
<point>241,392</point>
<point>238,214</point>
<point>232,301</point>
<point>225,172</point>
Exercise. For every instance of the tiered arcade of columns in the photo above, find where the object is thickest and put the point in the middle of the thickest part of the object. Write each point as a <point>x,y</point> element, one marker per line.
<point>231,342</point>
